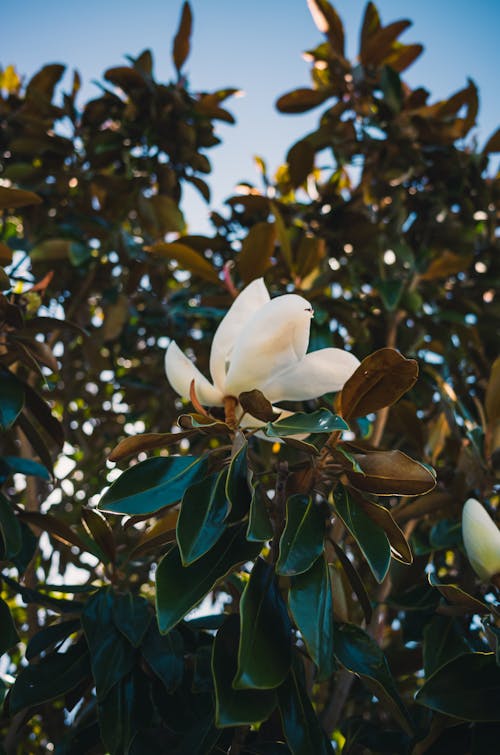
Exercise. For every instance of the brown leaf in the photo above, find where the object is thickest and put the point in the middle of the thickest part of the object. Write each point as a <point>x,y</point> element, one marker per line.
<point>256,251</point>
<point>380,380</point>
<point>492,399</point>
<point>370,25</point>
<point>5,254</point>
<point>300,159</point>
<point>403,56</point>
<point>448,263</point>
<point>255,403</point>
<point>434,503</point>
<point>328,21</point>
<point>12,198</point>
<point>161,533</point>
<point>389,473</point>
<point>98,528</point>
<point>187,258</point>
<point>145,442</point>
<point>55,527</point>
<point>379,44</point>
<point>301,100</point>
<point>458,597</point>
<point>493,143</point>
<point>181,44</point>
<point>382,516</point>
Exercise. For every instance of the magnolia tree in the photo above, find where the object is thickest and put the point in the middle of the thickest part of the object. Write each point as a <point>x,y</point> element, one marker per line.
<point>234,467</point>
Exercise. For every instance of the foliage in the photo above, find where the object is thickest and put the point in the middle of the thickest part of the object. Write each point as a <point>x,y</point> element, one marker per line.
<point>317,627</point>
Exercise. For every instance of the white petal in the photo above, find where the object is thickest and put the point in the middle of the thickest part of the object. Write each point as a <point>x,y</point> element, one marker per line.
<point>481,539</point>
<point>273,340</point>
<point>181,371</point>
<point>319,372</point>
<point>249,301</point>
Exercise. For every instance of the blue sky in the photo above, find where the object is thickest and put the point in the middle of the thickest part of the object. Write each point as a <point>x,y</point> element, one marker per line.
<point>255,46</point>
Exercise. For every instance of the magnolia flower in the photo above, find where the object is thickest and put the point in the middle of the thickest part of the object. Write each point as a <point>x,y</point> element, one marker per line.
<point>261,343</point>
<point>481,540</point>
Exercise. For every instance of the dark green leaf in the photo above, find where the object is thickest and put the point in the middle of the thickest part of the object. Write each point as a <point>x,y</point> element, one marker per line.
<point>111,656</point>
<point>443,641</point>
<point>132,616</point>
<point>320,421</point>
<point>302,539</point>
<point>302,729</point>
<point>11,399</point>
<point>264,653</point>
<point>10,529</point>
<point>53,676</point>
<point>125,711</point>
<point>238,490</point>
<point>311,604</point>
<point>359,653</point>
<point>259,525</point>
<point>49,636</point>
<point>467,687</point>
<point>235,707</point>
<point>152,484</point>
<point>164,654</point>
<point>371,539</point>
<point>8,632</point>
<point>201,519</point>
<point>25,466</point>
<point>179,588</point>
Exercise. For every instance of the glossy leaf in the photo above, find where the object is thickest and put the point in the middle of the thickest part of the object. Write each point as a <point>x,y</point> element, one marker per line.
<point>135,444</point>
<point>179,588</point>
<point>259,525</point>
<point>49,636</point>
<point>235,707</point>
<point>54,675</point>
<point>111,655</point>
<point>25,466</point>
<point>201,520</point>
<point>238,490</point>
<point>152,484</point>
<point>380,380</point>
<point>478,674</point>
<point>320,421</point>
<point>99,530</point>
<point>382,518</point>
<point>443,641</point>
<point>390,473</point>
<point>264,653</point>
<point>302,540</point>
<point>457,596</point>
<point>359,653</point>
<point>301,727</point>
<point>310,600</point>
<point>11,399</point>
<point>371,539</point>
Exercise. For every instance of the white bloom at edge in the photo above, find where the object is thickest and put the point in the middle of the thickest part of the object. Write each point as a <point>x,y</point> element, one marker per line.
<point>481,539</point>
<point>261,343</point>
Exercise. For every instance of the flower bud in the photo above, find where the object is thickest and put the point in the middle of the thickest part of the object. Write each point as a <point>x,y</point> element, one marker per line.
<point>481,539</point>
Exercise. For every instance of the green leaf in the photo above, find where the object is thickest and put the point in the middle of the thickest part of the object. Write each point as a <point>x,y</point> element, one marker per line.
<point>371,539</point>
<point>10,529</point>
<point>201,519</point>
<point>125,711</point>
<point>359,653</point>
<point>259,525</point>
<point>153,484</point>
<point>52,677</point>
<point>132,616</point>
<point>235,707</point>
<point>264,653</point>
<point>179,588</point>
<point>467,687</point>
<point>49,636</point>
<point>302,729</point>
<point>320,421</point>
<point>25,466</point>
<point>311,604</point>
<point>11,399</point>
<point>165,656</point>
<point>8,632</point>
<point>238,489</point>
<point>443,641</point>
<point>302,540</point>
<point>111,656</point>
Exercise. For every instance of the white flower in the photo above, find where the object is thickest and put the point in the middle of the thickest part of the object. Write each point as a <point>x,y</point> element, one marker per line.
<point>481,539</point>
<point>261,343</point>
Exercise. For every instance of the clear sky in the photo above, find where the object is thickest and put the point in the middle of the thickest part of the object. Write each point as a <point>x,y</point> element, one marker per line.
<point>255,46</point>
